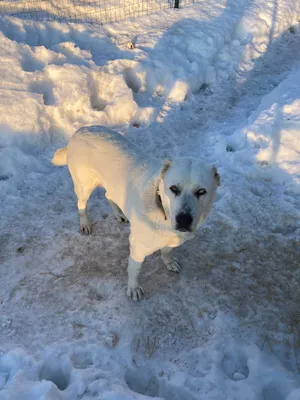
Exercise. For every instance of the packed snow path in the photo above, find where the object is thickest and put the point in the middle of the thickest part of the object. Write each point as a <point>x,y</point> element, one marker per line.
<point>218,81</point>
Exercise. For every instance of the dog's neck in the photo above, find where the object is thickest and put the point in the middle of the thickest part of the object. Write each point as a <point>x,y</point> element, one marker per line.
<point>159,204</point>
<point>152,201</point>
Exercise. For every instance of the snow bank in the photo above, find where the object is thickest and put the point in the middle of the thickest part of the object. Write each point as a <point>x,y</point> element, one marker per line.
<point>202,47</point>
<point>273,133</point>
<point>268,147</point>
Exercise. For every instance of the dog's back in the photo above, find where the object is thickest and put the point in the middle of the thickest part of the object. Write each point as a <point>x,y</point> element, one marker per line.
<point>104,146</point>
<point>99,156</point>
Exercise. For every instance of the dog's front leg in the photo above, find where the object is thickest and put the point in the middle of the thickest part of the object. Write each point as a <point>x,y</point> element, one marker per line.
<point>134,290</point>
<point>137,255</point>
<point>170,262</point>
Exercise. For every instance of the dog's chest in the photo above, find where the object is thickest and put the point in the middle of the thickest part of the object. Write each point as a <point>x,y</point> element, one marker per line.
<point>171,239</point>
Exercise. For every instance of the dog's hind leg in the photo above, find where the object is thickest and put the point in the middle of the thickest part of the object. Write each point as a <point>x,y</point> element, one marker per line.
<point>170,262</point>
<point>83,193</point>
<point>117,212</point>
<point>84,184</point>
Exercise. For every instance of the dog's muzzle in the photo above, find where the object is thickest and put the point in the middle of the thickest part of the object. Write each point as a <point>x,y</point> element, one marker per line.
<point>184,222</point>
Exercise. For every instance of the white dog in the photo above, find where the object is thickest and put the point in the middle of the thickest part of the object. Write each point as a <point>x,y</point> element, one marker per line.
<point>165,201</point>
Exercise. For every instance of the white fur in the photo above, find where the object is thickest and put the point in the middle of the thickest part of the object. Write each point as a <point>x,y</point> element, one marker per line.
<point>98,156</point>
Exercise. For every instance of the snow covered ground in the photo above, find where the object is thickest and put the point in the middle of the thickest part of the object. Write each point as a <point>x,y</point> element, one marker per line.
<point>91,11</point>
<point>218,80</point>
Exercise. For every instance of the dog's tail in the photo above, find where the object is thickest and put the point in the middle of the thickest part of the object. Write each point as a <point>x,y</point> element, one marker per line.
<point>60,157</point>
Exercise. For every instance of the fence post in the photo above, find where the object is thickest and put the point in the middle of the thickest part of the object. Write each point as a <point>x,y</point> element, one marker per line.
<point>176,4</point>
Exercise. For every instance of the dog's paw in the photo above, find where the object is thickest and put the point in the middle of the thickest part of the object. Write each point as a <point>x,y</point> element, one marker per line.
<point>86,228</point>
<point>174,265</point>
<point>135,294</point>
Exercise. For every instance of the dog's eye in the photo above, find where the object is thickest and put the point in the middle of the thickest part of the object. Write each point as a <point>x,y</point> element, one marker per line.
<point>200,193</point>
<point>174,189</point>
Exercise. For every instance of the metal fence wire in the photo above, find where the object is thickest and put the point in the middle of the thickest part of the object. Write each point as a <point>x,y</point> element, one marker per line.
<point>85,11</point>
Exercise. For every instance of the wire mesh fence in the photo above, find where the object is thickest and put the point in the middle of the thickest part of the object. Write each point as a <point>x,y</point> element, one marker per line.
<point>90,11</point>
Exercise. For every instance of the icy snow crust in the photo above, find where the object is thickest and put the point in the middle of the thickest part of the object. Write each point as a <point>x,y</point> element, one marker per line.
<point>218,80</point>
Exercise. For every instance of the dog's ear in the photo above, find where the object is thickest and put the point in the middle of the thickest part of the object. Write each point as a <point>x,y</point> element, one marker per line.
<point>216,175</point>
<point>166,165</point>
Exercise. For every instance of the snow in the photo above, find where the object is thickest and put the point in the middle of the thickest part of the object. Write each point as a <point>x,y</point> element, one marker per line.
<point>218,80</point>
<point>92,11</point>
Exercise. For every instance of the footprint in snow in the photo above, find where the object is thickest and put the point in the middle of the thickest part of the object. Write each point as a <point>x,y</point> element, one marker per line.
<point>142,382</point>
<point>53,371</point>
<point>235,366</point>
<point>45,88</point>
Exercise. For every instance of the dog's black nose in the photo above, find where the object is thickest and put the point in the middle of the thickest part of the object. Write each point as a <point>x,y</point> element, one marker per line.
<point>184,222</point>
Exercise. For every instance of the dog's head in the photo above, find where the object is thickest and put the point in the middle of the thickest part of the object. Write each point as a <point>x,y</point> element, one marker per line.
<point>187,189</point>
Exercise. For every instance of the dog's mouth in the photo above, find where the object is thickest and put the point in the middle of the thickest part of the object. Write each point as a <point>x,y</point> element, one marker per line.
<point>183,230</point>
